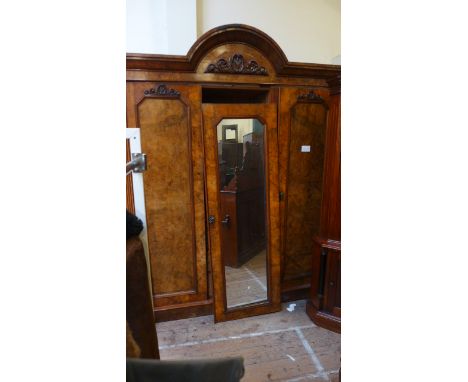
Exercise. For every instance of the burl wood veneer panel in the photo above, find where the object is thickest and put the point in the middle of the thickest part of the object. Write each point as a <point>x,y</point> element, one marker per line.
<point>304,186</point>
<point>165,138</point>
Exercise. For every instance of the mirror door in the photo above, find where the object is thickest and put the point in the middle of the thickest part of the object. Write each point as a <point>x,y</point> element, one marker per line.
<point>241,162</point>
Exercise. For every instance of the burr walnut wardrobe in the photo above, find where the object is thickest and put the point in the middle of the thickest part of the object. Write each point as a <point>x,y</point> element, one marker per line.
<point>242,187</point>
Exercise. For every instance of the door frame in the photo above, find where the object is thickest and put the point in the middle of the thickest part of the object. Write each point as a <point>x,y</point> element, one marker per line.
<point>133,137</point>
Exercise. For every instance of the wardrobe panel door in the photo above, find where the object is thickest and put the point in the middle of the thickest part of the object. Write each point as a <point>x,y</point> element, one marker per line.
<point>170,129</point>
<point>302,152</point>
<point>242,198</point>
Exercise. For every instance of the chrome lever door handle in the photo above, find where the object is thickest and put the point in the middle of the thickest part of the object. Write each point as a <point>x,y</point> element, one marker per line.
<point>226,219</point>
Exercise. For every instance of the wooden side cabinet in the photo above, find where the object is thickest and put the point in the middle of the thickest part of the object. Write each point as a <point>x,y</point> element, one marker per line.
<point>324,305</point>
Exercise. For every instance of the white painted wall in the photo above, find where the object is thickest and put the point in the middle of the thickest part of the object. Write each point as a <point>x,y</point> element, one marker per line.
<point>181,25</point>
<point>146,26</point>
<point>244,126</point>
<point>306,30</point>
<point>161,26</point>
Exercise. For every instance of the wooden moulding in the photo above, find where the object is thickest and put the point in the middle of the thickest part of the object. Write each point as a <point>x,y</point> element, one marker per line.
<point>231,33</point>
<point>186,310</point>
<point>334,83</point>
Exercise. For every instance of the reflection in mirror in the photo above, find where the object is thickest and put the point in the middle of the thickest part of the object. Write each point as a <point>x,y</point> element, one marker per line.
<point>243,210</point>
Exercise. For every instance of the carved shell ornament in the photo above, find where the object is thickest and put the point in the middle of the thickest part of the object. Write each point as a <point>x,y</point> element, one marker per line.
<point>236,65</point>
<point>162,90</point>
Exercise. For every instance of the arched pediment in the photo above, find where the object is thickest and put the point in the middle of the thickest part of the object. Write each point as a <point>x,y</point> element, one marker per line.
<point>232,34</point>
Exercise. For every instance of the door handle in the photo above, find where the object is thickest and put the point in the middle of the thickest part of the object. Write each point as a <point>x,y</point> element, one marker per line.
<point>211,219</point>
<point>226,220</point>
<point>137,164</point>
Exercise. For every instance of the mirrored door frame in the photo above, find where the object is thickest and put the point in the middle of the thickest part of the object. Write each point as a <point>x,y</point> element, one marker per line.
<point>213,114</point>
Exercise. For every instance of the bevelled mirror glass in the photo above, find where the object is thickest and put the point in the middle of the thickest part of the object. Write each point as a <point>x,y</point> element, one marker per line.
<point>242,195</point>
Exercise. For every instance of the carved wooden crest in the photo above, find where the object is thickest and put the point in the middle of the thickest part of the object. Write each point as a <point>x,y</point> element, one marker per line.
<point>310,97</point>
<point>236,65</point>
<point>162,90</point>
